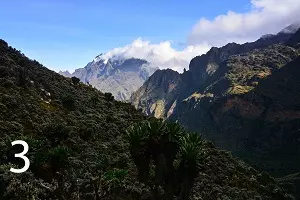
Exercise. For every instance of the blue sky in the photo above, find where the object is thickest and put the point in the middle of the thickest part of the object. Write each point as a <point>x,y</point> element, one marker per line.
<point>67,34</point>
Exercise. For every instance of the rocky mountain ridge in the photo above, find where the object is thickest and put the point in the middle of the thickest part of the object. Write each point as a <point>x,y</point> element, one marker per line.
<point>200,69</point>
<point>119,76</point>
<point>209,98</point>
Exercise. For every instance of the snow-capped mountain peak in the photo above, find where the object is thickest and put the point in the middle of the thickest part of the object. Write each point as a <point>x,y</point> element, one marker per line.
<point>115,73</point>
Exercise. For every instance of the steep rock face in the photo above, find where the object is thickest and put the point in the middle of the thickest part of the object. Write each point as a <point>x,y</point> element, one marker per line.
<point>250,106</point>
<point>262,126</point>
<point>218,96</point>
<point>119,76</point>
<point>257,118</point>
<point>161,88</point>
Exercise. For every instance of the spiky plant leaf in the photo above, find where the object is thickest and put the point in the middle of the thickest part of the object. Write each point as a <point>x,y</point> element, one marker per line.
<point>173,132</point>
<point>194,138</point>
<point>191,152</point>
<point>137,134</point>
<point>155,128</point>
<point>138,137</point>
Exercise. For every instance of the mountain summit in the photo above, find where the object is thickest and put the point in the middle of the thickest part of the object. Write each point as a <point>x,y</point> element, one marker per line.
<point>117,75</point>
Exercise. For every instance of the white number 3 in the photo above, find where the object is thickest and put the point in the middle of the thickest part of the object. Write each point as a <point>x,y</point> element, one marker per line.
<point>21,155</point>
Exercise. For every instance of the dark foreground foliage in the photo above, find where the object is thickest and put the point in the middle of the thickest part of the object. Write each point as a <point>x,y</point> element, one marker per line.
<point>176,156</point>
<point>79,149</point>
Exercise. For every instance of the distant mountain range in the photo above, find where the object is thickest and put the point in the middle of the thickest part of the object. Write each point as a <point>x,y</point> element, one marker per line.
<point>243,97</point>
<point>122,76</point>
<point>117,75</point>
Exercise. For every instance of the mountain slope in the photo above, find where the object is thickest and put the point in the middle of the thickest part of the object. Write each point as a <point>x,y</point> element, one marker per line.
<point>213,86</point>
<point>201,68</point>
<point>294,40</point>
<point>161,83</point>
<point>118,76</point>
<point>249,121</point>
<point>77,147</point>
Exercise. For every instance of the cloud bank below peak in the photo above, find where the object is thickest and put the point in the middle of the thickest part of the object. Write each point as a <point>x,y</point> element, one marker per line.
<point>265,16</point>
<point>161,55</point>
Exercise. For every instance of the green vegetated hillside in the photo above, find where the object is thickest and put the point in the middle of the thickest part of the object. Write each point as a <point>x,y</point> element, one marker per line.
<point>79,147</point>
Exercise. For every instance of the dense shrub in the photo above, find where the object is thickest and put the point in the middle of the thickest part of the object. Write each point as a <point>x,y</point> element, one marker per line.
<point>75,80</point>
<point>68,101</point>
<point>23,74</point>
<point>56,132</point>
<point>109,96</point>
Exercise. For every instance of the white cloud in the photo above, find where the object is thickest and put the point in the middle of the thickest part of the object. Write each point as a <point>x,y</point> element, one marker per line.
<point>265,16</point>
<point>162,55</point>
